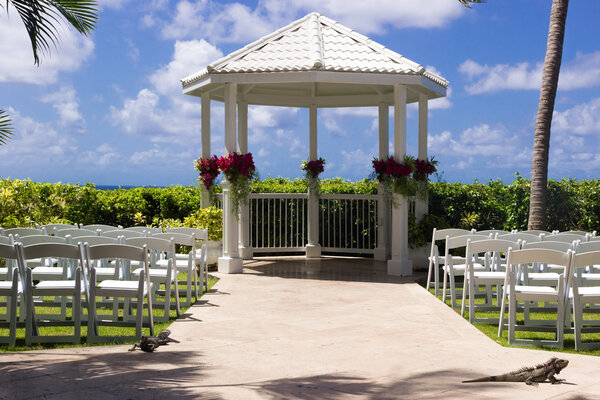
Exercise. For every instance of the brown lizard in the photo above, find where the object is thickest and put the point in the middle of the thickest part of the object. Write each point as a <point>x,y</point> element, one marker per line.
<point>150,343</point>
<point>531,375</point>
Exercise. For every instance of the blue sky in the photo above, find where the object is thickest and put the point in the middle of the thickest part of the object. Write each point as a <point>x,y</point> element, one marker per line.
<point>108,108</point>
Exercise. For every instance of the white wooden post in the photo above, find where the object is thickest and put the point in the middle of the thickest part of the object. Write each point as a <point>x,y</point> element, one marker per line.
<point>246,252</point>
<point>313,248</point>
<point>381,251</point>
<point>205,112</point>
<point>399,264</point>
<point>422,206</point>
<point>230,262</point>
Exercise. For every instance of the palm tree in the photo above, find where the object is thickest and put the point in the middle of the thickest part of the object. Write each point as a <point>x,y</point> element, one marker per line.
<point>39,17</point>
<point>543,122</point>
<point>541,138</point>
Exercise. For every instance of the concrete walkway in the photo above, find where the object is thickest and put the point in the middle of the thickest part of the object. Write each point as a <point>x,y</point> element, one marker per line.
<point>337,329</point>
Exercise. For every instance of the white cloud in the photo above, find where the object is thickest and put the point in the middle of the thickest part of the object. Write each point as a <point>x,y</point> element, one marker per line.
<point>582,119</point>
<point>17,64</point>
<point>103,156</point>
<point>236,22</point>
<point>358,162</point>
<point>493,147</point>
<point>66,104</point>
<point>188,58</point>
<point>582,72</point>
<point>33,141</point>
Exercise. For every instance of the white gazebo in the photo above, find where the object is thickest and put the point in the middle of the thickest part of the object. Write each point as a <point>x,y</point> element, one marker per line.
<point>313,63</point>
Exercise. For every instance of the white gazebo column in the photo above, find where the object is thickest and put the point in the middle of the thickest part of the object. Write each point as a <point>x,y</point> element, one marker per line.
<point>381,250</point>
<point>244,223</point>
<point>313,248</point>
<point>399,264</point>
<point>422,206</point>
<point>205,112</point>
<point>230,262</point>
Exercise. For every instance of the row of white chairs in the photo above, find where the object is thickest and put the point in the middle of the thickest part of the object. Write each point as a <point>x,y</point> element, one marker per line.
<point>185,262</point>
<point>84,270</point>
<point>436,261</point>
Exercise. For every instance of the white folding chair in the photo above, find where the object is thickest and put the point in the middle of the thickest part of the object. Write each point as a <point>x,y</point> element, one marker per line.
<point>581,296</point>
<point>566,237</point>
<point>492,277</point>
<point>187,266</point>
<point>199,234</point>
<point>454,266</point>
<point>435,261</point>
<point>74,288</point>
<point>159,276</point>
<point>139,289</point>
<point>12,290</point>
<point>525,293</point>
<point>522,236</point>
<point>50,228</point>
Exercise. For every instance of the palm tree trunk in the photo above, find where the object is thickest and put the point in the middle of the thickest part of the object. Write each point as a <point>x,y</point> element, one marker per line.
<point>541,139</point>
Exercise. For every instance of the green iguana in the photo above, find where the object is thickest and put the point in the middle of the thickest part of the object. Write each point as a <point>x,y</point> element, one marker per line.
<point>531,375</point>
<point>150,343</point>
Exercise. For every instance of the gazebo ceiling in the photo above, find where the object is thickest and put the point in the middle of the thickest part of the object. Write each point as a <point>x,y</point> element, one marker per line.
<point>315,60</point>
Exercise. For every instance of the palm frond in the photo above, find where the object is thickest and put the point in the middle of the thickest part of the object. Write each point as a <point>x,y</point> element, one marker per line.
<point>467,3</point>
<point>41,17</point>
<point>6,129</point>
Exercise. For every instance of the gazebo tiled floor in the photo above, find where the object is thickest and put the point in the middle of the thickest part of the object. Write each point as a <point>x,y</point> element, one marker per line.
<point>346,331</point>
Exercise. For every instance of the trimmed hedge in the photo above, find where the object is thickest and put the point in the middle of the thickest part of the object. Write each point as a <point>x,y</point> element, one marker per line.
<point>571,204</point>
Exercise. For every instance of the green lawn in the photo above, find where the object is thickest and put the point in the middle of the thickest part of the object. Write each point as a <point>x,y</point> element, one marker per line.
<point>491,330</point>
<point>104,330</point>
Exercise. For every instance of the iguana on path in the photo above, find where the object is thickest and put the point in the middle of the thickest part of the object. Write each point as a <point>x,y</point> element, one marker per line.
<point>531,375</point>
<point>150,343</point>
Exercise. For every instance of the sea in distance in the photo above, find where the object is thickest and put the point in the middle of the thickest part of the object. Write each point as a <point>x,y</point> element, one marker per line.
<point>115,187</point>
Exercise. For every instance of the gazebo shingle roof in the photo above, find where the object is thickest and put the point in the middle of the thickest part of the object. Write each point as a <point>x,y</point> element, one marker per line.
<point>314,43</point>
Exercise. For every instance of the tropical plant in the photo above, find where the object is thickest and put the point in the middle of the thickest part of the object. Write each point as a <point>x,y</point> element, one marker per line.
<point>312,169</point>
<point>39,18</point>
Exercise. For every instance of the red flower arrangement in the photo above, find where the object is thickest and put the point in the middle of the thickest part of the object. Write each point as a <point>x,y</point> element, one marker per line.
<point>238,169</point>
<point>208,169</point>
<point>313,168</point>
<point>403,177</point>
<point>424,168</point>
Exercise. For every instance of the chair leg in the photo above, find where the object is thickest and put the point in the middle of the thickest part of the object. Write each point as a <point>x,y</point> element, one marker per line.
<point>12,306</point>
<point>512,318</point>
<point>578,322</point>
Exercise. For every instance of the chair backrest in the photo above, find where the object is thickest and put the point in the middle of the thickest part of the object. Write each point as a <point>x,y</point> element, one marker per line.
<point>551,245</point>
<point>179,238</point>
<point>24,231</point>
<point>584,247</point>
<point>536,232</point>
<point>95,240</point>
<point>123,233</point>
<point>543,256</point>
<point>441,234</point>
<point>200,234</point>
<point>8,252</point>
<point>580,233</point>
<point>122,252</point>
<point>38,239</point>
<point>565,237</point>
<point>581,260</point>
<point>493,231</point>
<point>50,228</point>
<point>145,229</point>
<point>461,241</point>
<point>102,227</point>
<point>155,244</point>
<point>528,237</point>
<point>70,254</point>
<point>74,232</point>
<point>490,245</point>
